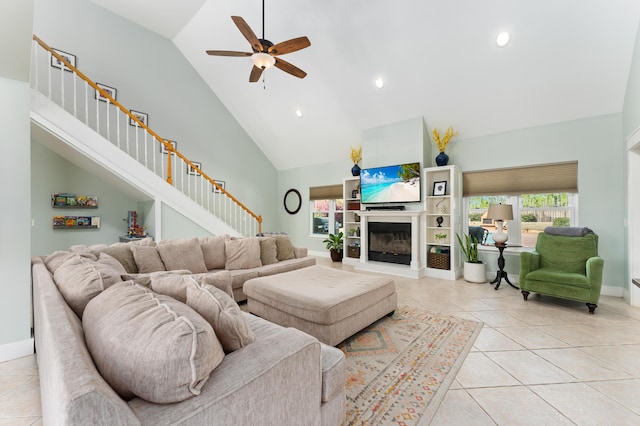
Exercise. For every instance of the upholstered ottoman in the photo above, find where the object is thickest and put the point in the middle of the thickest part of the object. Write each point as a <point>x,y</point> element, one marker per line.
<point>326,303</point>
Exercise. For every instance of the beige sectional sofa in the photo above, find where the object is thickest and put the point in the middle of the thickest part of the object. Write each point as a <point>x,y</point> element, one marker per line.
<point>142,351</point>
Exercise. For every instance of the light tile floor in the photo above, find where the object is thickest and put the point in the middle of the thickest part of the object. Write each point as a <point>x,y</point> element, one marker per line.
<point>541,362</point>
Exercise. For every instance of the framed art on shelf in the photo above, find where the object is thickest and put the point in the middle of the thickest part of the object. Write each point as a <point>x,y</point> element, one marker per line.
<point>143,117</point>
<point>57,63</point>
<point>440,188</point>
<point>192,171</point>
<point>164,149</point>
<point>221,184</point>
<point>111,91</point>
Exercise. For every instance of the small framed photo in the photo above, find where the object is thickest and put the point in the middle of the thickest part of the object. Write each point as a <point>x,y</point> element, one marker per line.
<point>440,188</point>
<point>143,117</point>
<point>221,184</point>
<point>192,171</point>
<point>111,91</point>
<point>57,63</point>
<point>164,149</point>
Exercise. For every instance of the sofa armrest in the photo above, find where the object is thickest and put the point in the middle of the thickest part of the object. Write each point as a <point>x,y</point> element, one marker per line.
<point>595,266</point>
<point>300,252</point>
<point>529,261</point>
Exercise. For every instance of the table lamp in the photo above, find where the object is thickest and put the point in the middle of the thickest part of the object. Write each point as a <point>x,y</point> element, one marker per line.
<point>499,213</point>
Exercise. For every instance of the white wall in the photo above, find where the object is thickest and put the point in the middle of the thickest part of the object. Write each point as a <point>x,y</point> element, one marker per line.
<point>15,222</point>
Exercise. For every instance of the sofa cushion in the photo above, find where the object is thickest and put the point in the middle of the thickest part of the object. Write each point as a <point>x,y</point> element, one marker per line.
<point>147,259</point>
<point>150,345</point>
<point>223,313</point>
<point>268,251</point>
<point>221,280</point>
<point>242,253</point>
<point>175,283</point>
<point>57,258</point>
<point>213,251</point>
<point>80,279</point>
<point>122,253</point>
<point>284,247</point>
<point>182,254</point>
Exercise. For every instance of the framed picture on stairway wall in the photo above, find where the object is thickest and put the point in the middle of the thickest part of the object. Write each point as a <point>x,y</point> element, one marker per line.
<point>57,63</point>
<point>193,171</point>
<point>111,91</point>
<point>164,149</point>
<point>221,184</point>
<point>143,117</point>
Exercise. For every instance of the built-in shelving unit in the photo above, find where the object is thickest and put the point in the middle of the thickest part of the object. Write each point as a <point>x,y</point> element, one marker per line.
<point>443,204</point>
<point>352,208</point>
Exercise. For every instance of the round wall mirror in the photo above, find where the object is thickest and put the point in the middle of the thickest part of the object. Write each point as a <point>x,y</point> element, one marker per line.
<point>292,201</point>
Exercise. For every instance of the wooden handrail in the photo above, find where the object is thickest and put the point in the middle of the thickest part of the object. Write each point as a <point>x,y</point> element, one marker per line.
<point>168,146</point>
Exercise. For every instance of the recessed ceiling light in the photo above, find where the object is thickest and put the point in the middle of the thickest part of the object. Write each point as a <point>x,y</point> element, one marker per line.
<point>379,83</point>
<point>299,113</point>
<point>503,39</point>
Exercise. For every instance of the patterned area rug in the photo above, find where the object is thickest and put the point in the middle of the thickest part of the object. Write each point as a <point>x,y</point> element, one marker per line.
<point>400,367</point>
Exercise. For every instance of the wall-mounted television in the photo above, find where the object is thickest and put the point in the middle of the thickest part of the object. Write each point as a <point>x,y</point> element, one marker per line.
<point>390,184</point>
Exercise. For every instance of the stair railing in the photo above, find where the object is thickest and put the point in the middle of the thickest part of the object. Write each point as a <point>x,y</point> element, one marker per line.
<point>133,136</point>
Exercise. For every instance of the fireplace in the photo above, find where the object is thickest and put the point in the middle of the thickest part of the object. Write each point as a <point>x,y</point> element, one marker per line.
<point>390,242</point>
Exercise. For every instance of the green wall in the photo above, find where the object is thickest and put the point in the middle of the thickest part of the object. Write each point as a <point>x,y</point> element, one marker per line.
<point>51,173</point>
<point>152,76</point>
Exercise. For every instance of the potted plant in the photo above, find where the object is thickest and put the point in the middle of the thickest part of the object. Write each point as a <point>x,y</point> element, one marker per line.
<point>474,269</point>
<point>336,246</point>
<point>440,237</point>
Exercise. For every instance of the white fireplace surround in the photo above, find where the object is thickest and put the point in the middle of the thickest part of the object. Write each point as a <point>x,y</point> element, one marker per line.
<point>416,218</point>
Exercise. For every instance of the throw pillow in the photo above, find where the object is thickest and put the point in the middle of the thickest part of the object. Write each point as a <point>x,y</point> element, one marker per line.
<point>284,247</point>
<point>213,251</point>
<point>80,279</point>
<point>221,280</point>
<point>142,277</point>
<point>147,259</point>
<point>122,253</point>
<point>182,254</point>
<point>150,345</point>
<point>224,315</point>
<point>242,253</point>
<point>57,258</point>
<point>268,251</point>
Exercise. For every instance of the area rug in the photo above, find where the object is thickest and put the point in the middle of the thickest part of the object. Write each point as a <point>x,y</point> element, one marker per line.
<point>400,367</point>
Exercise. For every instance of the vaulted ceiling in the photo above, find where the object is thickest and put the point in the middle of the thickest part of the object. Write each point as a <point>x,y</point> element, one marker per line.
<point>567,59</point>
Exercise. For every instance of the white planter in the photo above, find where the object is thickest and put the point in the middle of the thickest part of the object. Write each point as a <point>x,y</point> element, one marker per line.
<point>475,272</point>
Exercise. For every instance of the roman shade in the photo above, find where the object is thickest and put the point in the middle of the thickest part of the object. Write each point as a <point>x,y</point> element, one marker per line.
<point>329,192</point>
<point>544,178</point>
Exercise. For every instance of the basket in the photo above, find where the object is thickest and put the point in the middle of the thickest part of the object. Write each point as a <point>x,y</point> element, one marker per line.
<point>353,252</point>
<point>438,260</point>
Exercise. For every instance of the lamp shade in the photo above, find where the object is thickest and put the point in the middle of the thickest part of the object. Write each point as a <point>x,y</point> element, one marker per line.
<point>500,212</point>
<point>263,60</point>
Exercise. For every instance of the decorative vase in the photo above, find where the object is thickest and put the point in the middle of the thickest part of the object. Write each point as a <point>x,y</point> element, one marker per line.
<point>355,170</point>
<point>336,256</point>
<point>441,159</point>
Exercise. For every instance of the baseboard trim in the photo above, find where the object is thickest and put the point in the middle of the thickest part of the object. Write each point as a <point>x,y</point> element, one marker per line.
<point>16,350</point>
<point>608,290</point>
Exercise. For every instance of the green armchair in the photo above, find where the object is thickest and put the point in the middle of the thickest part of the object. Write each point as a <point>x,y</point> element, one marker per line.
<point>563,266</point>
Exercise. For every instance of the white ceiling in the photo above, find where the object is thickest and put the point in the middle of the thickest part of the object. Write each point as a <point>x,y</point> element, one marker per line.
<point>567,59</point>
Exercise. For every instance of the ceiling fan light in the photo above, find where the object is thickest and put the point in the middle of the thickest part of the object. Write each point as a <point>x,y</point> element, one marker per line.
<point>263,60</point>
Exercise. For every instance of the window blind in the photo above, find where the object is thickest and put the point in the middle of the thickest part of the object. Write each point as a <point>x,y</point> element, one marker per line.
<point>329,192</point>
<point>545,178</point>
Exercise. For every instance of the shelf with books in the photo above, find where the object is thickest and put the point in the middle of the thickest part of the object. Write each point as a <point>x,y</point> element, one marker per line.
<point>68,200</point>
<point>76,222</point>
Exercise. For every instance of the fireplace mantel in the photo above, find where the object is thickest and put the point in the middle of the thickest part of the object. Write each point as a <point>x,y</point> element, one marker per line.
<point>416,218</point>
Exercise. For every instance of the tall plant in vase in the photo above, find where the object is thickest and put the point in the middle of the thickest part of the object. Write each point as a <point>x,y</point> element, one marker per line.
<point>474,268</point>
<point>442,158</point>
<point>356,157</point>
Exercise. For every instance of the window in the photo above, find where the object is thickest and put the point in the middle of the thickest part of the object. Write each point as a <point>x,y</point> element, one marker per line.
<point>531,212</point>
<point>326,216</point>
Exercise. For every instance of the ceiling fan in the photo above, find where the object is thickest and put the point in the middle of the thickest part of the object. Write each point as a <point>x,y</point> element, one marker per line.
<point>265,54</point>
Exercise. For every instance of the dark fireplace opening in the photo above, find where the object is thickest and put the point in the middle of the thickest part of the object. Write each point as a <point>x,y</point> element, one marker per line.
<point>390,242</point>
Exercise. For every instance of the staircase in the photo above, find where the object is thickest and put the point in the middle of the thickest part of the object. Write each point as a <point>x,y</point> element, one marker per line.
<point>92,127</point>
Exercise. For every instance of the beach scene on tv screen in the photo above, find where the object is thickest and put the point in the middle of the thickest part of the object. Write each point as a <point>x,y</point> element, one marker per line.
<point>391,184</point>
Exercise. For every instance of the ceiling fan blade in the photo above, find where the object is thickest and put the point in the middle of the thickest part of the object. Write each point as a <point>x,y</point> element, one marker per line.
<point>291,69</point>
<point>255,74</point>
<point>227,53</point>
<point>248,33</point>
<point>289,46</point>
